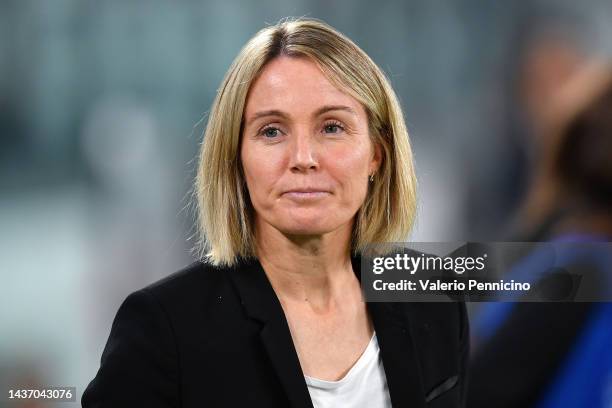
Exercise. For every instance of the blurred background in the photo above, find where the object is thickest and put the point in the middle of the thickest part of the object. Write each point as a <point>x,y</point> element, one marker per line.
<point>102,107</point>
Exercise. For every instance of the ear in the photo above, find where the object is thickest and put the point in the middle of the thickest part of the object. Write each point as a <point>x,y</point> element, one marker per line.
<point>376,160</point>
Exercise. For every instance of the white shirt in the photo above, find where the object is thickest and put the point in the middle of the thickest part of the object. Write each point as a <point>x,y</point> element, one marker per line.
<point>365,384</point>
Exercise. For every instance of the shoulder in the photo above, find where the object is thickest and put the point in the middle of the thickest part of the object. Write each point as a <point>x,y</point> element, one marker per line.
<point>178,294</point>
<point>197,274</point>
<point>186,296</point>
<point>140,361</point>
<point>198,280</point>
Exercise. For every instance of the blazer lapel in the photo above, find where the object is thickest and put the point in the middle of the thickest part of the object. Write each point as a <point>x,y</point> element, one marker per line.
<point>399,355</point>
<point>262,304</point>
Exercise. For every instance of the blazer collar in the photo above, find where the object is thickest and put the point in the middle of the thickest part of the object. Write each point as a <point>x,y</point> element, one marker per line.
<point>392,331</point>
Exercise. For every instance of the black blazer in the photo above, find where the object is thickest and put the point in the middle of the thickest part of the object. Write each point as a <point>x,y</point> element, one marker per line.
<point>217,337</point>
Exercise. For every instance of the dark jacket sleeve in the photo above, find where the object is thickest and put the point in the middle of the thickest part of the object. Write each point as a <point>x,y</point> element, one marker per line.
<point>525,352</point>
<point>139,365</point>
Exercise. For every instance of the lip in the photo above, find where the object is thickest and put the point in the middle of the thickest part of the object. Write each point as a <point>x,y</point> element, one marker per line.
<point>306,194</point>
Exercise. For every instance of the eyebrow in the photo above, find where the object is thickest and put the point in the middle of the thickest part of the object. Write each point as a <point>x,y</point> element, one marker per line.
<point>318,112</point>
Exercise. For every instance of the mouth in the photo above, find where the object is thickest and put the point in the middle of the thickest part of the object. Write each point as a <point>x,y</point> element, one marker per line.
<point>306,194</point>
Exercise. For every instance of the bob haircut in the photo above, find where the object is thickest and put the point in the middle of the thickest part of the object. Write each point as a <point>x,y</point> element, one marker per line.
<point>225,212</point>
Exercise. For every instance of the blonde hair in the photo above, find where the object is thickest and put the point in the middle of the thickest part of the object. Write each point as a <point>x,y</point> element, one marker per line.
<point>224,210</point>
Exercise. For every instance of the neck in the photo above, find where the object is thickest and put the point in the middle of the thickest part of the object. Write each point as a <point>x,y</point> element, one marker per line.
<point>314,268</point>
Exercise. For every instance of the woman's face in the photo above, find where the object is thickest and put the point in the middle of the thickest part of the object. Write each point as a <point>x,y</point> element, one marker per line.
<point>306,151</point>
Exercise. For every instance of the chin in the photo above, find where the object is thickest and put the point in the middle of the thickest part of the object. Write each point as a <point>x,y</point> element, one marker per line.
<point>305,229</point>
<point>306,221</point>
<point>306,226</point>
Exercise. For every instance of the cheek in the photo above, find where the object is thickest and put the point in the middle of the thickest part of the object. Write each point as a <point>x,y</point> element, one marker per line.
<point>352,165</point>
<point>260,170</point>
<point>250,168</point>
<point>350,168</point>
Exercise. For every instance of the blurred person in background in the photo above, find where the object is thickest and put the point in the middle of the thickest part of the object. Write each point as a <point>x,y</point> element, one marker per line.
<point>571,188</point>
<point>558,354</point>
<point>306,160</point>
<point>547,49</point>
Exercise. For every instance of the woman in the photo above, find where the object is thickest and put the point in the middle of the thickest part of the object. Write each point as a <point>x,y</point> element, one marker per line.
<point>305,161</point>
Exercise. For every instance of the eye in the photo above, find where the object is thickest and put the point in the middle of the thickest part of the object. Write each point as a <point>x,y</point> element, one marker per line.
<point>269,132</point>
<point>333,127</point>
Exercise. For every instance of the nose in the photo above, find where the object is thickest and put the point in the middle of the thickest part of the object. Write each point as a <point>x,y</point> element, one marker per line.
<point>304,153</point>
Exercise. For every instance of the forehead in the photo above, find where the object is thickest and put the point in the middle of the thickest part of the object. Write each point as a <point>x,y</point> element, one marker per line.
<point>295,84</point>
